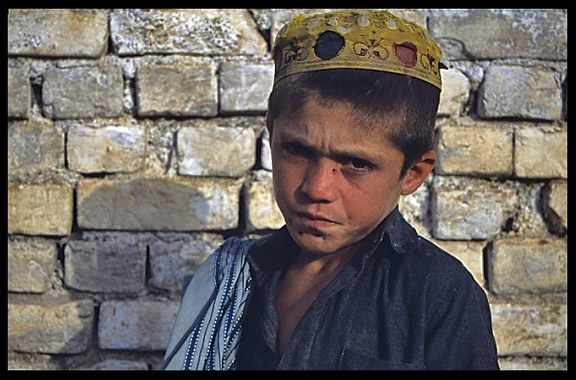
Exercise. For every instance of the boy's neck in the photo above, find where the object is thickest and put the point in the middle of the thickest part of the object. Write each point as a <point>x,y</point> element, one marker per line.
<point>301,283</point>
<point>315,265</point>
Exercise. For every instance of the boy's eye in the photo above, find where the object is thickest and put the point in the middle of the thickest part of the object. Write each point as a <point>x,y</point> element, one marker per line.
<point>357,163</point>
<point>295,149</point>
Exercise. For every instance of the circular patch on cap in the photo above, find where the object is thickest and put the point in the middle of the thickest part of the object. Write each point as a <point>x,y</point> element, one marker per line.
<point>328,45</point>
<point>406,53</point>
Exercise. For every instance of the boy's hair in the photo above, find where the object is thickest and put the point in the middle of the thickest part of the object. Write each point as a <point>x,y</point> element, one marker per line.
<point>402,106</point>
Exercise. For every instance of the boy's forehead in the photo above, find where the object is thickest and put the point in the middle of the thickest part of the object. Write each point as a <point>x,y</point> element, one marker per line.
<point>359,122</point>
<point>337,124</point>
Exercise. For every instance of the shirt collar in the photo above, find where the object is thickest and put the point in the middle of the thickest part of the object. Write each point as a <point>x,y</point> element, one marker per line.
<point>274,252</point>
<point>401,235</point>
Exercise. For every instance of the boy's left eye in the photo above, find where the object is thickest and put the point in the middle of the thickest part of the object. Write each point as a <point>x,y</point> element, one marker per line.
<point>357,163</point>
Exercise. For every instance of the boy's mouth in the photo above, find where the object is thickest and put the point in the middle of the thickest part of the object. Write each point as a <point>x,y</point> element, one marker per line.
<point>315,221</point>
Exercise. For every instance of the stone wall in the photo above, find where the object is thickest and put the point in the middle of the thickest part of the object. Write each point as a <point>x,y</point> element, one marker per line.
<point>137,144</point>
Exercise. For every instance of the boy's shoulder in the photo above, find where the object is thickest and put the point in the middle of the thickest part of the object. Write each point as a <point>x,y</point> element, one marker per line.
<point>441,270</point>
<point>427,249</point>
<point>234,249</point>
<point>423,259</point>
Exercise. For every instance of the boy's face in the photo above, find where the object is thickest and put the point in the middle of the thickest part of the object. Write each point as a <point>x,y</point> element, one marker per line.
<point>335,182</point>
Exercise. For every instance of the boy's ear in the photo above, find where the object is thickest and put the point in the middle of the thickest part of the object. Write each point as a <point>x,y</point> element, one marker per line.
<point>418,172</point>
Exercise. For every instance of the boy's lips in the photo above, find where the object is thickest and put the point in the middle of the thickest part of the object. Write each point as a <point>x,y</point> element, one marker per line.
<point>315,221</point>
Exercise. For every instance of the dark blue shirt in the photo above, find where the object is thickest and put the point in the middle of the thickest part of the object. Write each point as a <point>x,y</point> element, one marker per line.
<point>400,303</point>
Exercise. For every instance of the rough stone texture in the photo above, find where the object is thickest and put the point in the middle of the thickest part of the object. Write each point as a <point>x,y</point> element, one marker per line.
<point>119,365</point>
<point>31,265</point>
<point>59,329</point>
<point>532,363</point>
<point>138,325</point>
<point>40,209</point>
<point>191,31</point>
<point>158,204</point>
<point>500,33</point>
<point>107,265</point>
<point>170,261</point>
<point>57,32</point>
<point>528,220</point>
<point>523,265</point>
<point>455,92</point>
<point>541,153</point>
<point>33,147</point>
<point>539,330</point>
<point>83,92</point>
<point>477,151</point>
<point>469,211</point>
<point>415,208</point>
<point>186,89</point>
<point>216,151</point>
<point>262,210</point>
<point>245,87</point>
<point>106,149</point>
<point>556,205</point>
<point>19,91</point>
<point>524,92</point>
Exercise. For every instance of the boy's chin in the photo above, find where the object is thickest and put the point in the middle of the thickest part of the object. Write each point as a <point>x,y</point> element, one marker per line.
<point>319,244</point>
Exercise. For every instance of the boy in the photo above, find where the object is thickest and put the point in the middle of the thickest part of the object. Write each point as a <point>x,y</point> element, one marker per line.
<point>347,283</point>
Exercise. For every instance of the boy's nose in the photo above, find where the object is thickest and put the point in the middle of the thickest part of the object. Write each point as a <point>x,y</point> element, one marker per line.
<point>319,183</point>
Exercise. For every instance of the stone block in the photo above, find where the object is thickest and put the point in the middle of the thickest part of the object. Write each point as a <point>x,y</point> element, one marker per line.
<point>57,32</point>
<point>245,87</point>
<point>556,205</point>
<point>521,92</point>
<point>170,261</point>
<point>83,92</point>
<point>159,204</point>
<point>19,91</point>
<point>187,31</point>
<point>40,209</point>
<point>532,363</point>
<point>31,265</point>
<point>522,265</point>
<point>500,33</point>
<point>55,329</point>
<point>177,89</point>
<point>109,265</point>
<point>541,152</point>
<point>216,151</point>
<point>33,147</point>
<point>415,209</point>
<point>477,151</point>
<point>527,220</point>
<point>262,212</point>
<point>455,92</point>
<point>119,365</point>
<point>469,210</point>
<point>106,149</point>
<point>538,330</point>
<point>136,325</point>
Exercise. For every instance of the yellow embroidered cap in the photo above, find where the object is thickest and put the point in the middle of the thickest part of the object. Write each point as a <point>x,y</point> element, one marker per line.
<point>356,39</point>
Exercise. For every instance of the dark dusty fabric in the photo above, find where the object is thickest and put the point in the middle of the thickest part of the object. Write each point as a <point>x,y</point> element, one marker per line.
<point>402,303</point>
